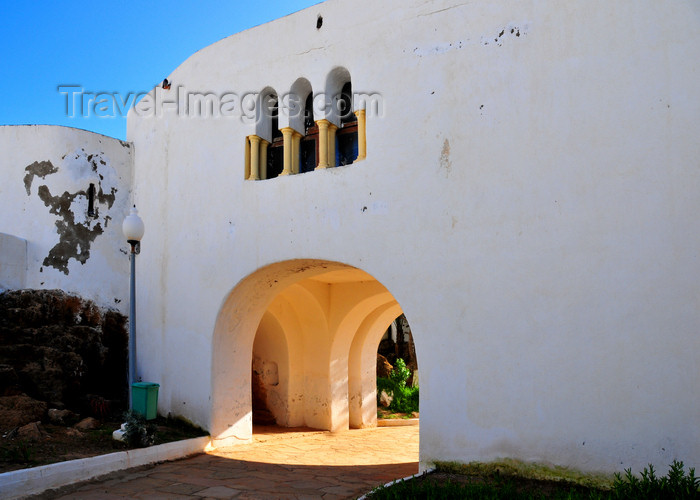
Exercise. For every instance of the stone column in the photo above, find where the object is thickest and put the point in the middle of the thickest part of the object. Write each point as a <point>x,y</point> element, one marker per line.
<point>254,158</point>
<point>331,144</point>
<point>322,144</point>
<point>246,172</point>
<point>287,133</point>
<point>263,158</point>
<point>296,142</point>
<point>361,135</point>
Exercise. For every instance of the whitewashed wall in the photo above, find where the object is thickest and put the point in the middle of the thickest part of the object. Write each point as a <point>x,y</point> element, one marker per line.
<point>530,198</point>
<point>45,173</point>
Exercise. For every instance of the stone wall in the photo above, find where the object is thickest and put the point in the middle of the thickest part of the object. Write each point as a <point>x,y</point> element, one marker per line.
<point>60,349</point>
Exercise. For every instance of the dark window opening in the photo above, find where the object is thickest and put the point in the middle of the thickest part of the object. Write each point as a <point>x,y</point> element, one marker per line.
<point>309,113</point>
<point>91,201</point>
<point>275,152</point>
<point>308,149</point>
<point>346,146</point>
<point>345,105</point>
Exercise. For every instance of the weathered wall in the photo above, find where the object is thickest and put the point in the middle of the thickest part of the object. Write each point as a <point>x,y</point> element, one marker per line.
<point>541,160</point>
<point>45,177</point>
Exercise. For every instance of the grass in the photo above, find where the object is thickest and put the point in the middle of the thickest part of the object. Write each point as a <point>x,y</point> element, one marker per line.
<point>386,413</point>
<point>534,471</point>
<point>513,480</point>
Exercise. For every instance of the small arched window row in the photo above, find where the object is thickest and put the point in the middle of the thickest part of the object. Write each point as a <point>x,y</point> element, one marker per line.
<point>306,144</point>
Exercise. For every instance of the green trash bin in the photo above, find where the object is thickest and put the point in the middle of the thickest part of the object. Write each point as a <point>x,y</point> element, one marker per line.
<point>144,399</point>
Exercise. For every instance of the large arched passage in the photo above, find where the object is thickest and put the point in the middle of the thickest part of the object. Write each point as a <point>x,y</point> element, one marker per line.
<point>310,330</point>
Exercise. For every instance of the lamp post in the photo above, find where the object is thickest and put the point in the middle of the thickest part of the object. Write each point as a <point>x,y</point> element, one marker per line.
<point>133,229</point>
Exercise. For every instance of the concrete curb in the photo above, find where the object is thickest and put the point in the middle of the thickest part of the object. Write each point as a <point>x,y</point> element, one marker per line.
<point>390,483</point>
<point>19,483</point>
<point>396,422</point>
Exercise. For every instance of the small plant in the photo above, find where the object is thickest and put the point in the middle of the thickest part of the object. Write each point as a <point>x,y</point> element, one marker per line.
<point>404,399</point>
<point>100,407</point>
<point>20,452</point>
<point>676,485</point>
<point>138,432</point>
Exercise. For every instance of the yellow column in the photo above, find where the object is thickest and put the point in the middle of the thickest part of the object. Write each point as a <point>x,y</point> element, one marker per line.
<point>331,145</point>
<point>254,158</point>
<point>361,135</point>
<point>246,173</point>
<point>287,133</point>
<point>322,143</point>
<point>296,141</point>
<point>263,158</point>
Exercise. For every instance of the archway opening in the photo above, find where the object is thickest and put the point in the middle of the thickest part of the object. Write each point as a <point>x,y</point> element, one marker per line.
<point>397,372</point>
<point>296,343</point>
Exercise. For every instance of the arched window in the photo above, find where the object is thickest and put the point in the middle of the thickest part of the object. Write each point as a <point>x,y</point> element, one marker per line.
<point>261,155</point>
<point>346,135</point>
<point>346,125</point>
<point>332,134</point>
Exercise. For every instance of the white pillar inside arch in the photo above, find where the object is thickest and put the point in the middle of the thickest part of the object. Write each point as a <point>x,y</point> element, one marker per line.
<point>362,366</point>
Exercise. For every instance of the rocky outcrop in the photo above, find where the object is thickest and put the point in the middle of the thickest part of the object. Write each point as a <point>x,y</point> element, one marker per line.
<point>384,368</point>
<point>58,348</point>
<point>19,410</point>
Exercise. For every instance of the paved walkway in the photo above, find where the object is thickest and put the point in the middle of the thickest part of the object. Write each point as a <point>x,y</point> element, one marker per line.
<point>279,464</point>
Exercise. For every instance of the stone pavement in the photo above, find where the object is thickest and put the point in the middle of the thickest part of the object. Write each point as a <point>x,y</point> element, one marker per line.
<point>279,464</point>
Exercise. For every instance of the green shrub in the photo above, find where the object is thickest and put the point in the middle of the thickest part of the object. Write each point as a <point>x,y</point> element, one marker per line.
<point>676,485</point>
<point>404,399</point>
<point>138,432</point>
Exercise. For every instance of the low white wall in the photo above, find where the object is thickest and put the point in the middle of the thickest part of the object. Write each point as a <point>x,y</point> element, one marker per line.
<point>45,177</point>
<point>24,482</point>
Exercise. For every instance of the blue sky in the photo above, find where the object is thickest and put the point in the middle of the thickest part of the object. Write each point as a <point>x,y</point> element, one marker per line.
<point>118,47</point>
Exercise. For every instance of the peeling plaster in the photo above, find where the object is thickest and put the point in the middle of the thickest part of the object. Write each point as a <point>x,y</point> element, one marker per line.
<point>37,169</point>
<point>512,30</point>
<point>497,39</point>
<point>75,238</point>
<point>77,227</point>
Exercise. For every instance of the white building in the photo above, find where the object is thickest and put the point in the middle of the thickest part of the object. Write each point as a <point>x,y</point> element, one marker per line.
<point>525,190</point>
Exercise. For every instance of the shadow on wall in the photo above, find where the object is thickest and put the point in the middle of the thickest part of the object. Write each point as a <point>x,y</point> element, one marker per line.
<point>13,262</point>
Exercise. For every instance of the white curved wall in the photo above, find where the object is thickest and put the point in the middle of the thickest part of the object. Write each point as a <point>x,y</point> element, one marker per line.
<point>45,174</point>
<point>529,198</point>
